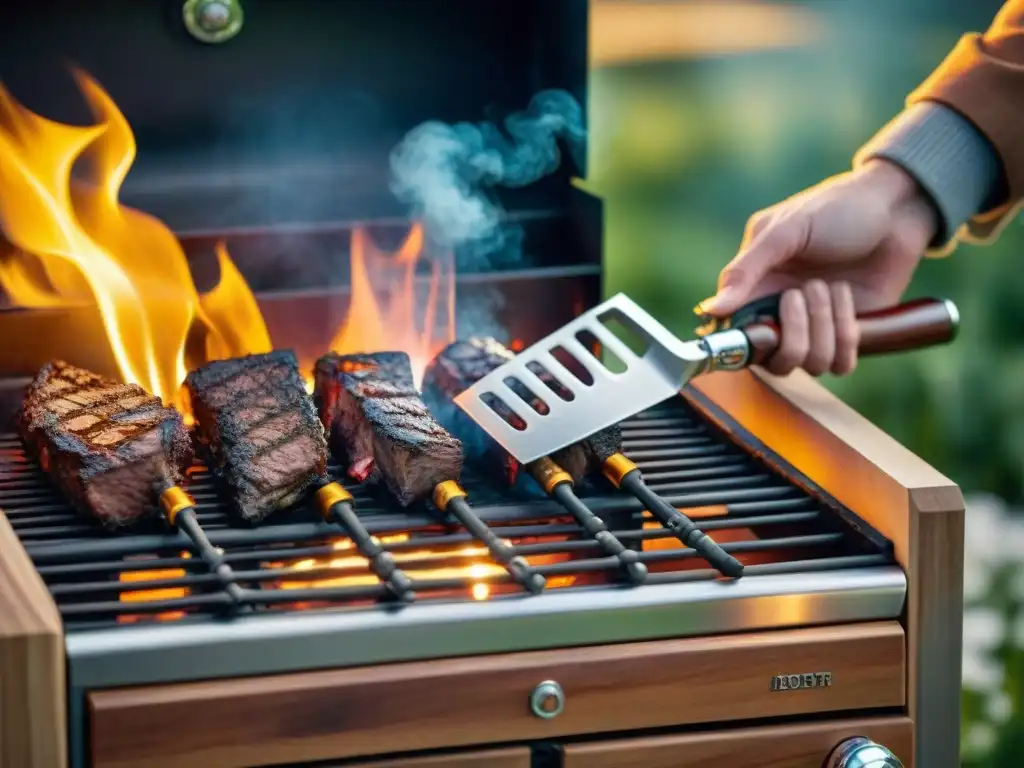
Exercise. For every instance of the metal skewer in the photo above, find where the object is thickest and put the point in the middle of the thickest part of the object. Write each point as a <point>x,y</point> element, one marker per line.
<point>558,484</point>
<point>180,512</point>
<point>624,474</point>
<point>450,497</point>
<point>337,505</point>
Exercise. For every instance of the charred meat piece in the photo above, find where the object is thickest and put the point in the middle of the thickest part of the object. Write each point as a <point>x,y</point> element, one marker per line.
<point>460,365</point>
<point>260,428</point>
<point>111,448</point>
<point>379,425</point>
<point>341,383</point>
<point>601,445</point>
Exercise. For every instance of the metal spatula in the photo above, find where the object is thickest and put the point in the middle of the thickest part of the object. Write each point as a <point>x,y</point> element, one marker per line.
<point>505,402</point>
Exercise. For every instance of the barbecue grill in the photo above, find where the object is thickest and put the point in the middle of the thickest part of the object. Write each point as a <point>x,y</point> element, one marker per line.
<point>126,649</point>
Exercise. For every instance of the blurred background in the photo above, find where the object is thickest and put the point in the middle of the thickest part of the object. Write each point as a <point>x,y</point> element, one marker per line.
<point>704,112</point>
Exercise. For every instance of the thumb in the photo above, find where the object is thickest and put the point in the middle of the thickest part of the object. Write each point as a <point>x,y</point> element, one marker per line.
<point>739,282</point>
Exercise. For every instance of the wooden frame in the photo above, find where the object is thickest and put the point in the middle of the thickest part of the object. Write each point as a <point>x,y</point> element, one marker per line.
<point>478,700</point>
<point>33,694</point>
<point>897,493</point>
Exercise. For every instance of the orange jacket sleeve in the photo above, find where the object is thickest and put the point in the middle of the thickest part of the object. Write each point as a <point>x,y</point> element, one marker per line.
<point>983,79</point>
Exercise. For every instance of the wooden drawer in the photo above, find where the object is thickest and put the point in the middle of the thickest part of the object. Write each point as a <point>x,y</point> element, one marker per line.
<point>786,746</point>
<point>463,702</point>
<point>516,757</point>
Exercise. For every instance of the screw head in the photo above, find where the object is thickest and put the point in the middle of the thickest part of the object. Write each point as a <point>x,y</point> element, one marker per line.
<point>213,16</point>
<point>213,21</point>
<point>547,700</point>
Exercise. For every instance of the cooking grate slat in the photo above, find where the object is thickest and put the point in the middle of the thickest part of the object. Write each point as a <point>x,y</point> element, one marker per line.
<point>295,561</point>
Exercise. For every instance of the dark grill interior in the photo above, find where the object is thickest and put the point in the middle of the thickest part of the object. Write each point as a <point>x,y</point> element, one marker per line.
<point>230,137</point>
<point>294,561</point>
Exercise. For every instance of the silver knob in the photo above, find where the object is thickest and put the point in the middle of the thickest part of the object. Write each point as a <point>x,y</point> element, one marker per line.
<point>213,21</point>
<point>861,752</point>
<point>547,700</point>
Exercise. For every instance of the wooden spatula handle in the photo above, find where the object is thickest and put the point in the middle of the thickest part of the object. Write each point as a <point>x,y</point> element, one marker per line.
<point>912,325</point>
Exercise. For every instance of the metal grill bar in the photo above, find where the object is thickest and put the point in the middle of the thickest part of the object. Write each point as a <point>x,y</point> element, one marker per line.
<point>571,567</point>
<point>295,561</point>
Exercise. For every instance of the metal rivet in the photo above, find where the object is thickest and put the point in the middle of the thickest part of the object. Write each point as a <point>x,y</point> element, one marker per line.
<point>861,752</point>
<point>214,16</point>
<point>547,700</point>
<point>213,21</point>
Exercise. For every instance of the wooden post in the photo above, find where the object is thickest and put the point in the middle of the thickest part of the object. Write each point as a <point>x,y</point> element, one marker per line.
<point>33,694</point>
<point>893,490</point>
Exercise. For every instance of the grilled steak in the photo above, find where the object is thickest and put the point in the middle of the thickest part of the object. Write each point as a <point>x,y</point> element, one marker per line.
<point>260,428</point>
<point>111,448</point>
<point>460,365</point>
<point>379,425</point>
<point>601,445</point>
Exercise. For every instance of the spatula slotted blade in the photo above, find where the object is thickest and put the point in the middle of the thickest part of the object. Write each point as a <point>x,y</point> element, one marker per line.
<point>610,396</point>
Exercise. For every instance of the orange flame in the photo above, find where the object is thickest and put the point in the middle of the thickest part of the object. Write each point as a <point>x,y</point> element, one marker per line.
<point>386,295</point>
<point>74,243</point>
<point>77,244</point>
<point>476,568</point>
<point>232,315</point>
<point>477,571</point>
<point>470,563</point>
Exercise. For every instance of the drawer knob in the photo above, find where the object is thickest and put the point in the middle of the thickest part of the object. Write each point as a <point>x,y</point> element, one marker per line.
<point>547,700</point>
<point>861,752</point>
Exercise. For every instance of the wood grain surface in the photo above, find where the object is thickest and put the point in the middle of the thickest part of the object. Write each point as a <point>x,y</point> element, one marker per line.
<point>33,724</point>
<point>805,745</point>
<point>515,757</point>
<point>897,493</point>
<point>479,700</point>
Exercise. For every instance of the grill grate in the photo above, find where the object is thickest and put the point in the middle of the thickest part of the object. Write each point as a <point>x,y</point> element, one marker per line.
<point>294,561</point>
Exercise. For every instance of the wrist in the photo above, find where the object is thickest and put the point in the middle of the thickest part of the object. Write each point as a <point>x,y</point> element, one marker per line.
<point>954,164</point>
<point>890,183</point>
<point>903,196</point>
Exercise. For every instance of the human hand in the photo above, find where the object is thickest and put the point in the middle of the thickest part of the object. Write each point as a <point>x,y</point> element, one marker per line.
<point>846,246</point>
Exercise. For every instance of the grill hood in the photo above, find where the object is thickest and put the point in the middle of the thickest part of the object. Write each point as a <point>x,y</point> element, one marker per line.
<point>292,120</point>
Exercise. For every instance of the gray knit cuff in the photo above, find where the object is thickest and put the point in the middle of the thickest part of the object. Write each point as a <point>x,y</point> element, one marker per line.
<point>948,157</point>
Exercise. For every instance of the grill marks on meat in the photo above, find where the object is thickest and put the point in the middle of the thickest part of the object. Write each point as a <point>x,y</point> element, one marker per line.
<point>380,427</point>
<point>111,448</point>
<point>260,428</point>
<point>461,364</point>
<point>342,382</point>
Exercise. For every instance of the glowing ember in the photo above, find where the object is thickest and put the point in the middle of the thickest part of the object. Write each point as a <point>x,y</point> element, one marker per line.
<point>78,245</point>
<point>477,571</point>
<point>391,309</point>
<point>723,536</point>
<point>152,595</point>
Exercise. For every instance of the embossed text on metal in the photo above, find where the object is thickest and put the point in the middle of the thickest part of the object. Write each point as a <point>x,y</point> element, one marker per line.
<point>801,681</point>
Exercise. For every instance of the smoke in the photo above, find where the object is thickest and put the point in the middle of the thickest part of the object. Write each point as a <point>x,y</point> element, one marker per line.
<point>477,313</point>
<point>444,174</point>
